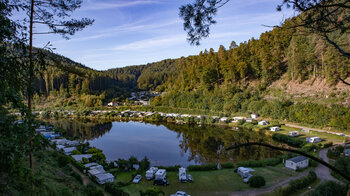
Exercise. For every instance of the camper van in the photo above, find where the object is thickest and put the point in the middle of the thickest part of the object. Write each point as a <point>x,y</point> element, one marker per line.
<point>150,173</point>
<point>274,129</point>
<point>293,133</point>
<point>313,139</point>
<point>182,174</point>
<point>160,174</point>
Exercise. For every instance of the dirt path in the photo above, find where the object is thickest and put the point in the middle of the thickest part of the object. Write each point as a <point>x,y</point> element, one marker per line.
<point>322,171</point>
<point>268,189</point>
<point>86,180</point>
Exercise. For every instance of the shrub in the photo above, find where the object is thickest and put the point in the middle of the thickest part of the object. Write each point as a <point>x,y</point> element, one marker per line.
<point>299,183</point>
<point>227,165</point>
<point>328,144</point>
<point>63,160</point>
<point>291,141</point>
<point>93,190</point>
<point>77,176</point>
<point>170,168</point>
<point>93,151</point>
<point>329,188</point>
<point>256,181</point>
<point>114,190</point>
<point>74,152</point>
<point>206,167</point>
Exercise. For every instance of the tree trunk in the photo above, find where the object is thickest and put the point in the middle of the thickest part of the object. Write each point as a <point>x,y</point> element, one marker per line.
<point>30,89</point>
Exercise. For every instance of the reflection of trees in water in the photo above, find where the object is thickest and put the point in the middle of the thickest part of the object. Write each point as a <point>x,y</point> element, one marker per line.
<point>204,143</point>
<point>82,129</point>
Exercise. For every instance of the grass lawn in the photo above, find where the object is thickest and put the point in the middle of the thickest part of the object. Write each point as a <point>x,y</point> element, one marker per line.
<point>219,182</point>
<point>326,137</point>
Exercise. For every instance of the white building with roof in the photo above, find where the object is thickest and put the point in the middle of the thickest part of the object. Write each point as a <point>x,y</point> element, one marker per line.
<point>298,162</point>
<point>104,178</point>
<point>79,157</point>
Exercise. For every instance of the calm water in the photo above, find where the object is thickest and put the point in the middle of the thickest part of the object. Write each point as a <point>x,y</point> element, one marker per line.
<point>166,144</point>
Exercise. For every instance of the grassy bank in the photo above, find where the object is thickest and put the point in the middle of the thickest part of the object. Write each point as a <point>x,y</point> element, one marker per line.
<point>219,182</point>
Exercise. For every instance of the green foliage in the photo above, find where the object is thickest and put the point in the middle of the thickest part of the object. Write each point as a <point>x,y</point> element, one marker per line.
<point>98,157</point>
<point>206,167</point>
<point>291,141</point>
<point>328,144</point>
<point>93,190</point>
<point>170,168</point>
<point>343,165</point>
<point>93,151</point>
<point>144,164</point>
<point>329,188</point>
<point>334,153</point>
<point>152,192</point>
<point>114,190</point>
<point>227,165</point>
<point>75,152</point>
<point>299,184</point>
<point>256,181</point>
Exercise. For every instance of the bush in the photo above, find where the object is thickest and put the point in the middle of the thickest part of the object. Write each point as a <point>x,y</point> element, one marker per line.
<point>74,152</point>
<point>291,141</point>
<point>329,188</point>
<point>77,176</point>
<point>256,181</point>
<point>115,190</point>
<point>170,168</point>
<point>299,184</point>
<point>227,165</point>
<point>63,160</point>
<point>93,190</point>
<point>328,144</point>
<point>93,151</point>
<point>207,167</point>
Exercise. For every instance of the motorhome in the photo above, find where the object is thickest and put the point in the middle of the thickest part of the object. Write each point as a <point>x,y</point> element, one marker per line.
<point>160,174</point>
<point>182,174</point>
<point>150,173</point>
<point>293,133</point>
<point>313,139</point>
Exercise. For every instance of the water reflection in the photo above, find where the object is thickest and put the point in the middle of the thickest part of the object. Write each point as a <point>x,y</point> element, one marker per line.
<point>167,144</point>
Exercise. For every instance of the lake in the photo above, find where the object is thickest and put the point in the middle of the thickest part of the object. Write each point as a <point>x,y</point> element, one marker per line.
<point>165,144</point>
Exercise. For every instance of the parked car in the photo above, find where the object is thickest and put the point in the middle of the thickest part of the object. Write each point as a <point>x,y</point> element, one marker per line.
<point>160,182</point>
<point>189,178</point>
<point>137,179</point>
<point>180,193</point>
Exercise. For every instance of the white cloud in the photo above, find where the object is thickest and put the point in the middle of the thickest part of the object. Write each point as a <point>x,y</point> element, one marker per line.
<point>152,43</point>
<point>118,4</point>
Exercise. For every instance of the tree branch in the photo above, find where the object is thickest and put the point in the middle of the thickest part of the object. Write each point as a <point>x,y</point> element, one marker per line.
<point>346,54</point>
<point>293,151</point>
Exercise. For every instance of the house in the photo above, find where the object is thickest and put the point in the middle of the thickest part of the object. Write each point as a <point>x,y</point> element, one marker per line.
<point>79,157</point>
<point>274,129</point>
<point>313,139</point>
<point>263,122</point>
<point>68,150</point>
<point>72,143</point>
<point>89,165</point>
<point>254,115</point>
<point>112,103</point>
<point>347,152</point>
<point>59,141</point>
<point>96,170</point>
<point>298,162</point>
<point>293,133</point>
<point>104,178</point>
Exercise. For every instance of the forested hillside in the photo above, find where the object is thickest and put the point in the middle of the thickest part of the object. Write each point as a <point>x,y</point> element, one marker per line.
<point>208,78</point>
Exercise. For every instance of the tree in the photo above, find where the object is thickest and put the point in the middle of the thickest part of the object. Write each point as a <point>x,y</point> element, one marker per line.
<point>51,13</point>
<point>322,17</point>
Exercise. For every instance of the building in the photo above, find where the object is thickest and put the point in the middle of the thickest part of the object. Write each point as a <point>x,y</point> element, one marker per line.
<point>263,122</point>
<point>347,152</point>
<point>254,115</point>
<point>68,150</point>
<point>89,165</point>
<point>299,162</point>
<point>104,178</point>
<point>313,139</point>
<point>274,129</point>
<point>79,157</point>
<point>182,174</point>
<point>223,119</point>
<point>112,103</point>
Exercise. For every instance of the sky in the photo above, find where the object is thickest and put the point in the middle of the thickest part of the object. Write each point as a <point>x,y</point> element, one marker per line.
<point>135,32</point>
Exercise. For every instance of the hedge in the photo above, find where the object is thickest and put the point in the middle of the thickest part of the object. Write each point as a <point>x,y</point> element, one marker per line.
<point>291,141</point>
<point>206,167</point>
<point>299,184</point>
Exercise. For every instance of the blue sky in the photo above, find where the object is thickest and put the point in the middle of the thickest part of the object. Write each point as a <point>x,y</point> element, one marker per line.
<point>134,32</point>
